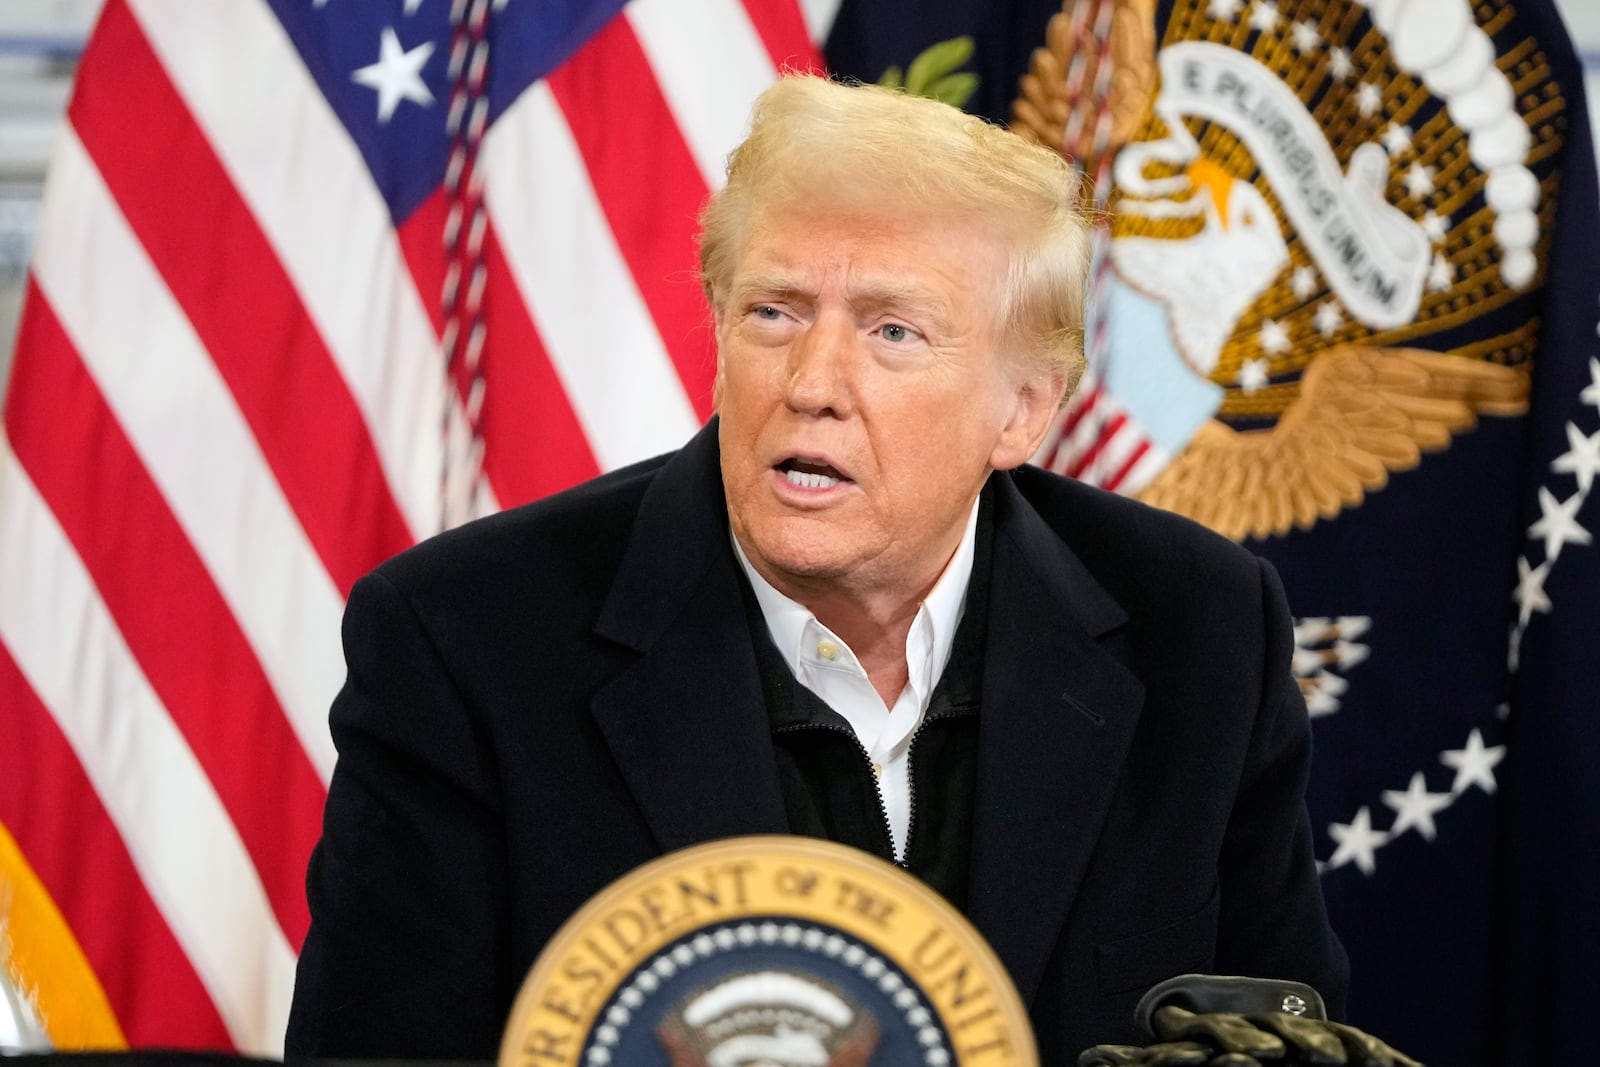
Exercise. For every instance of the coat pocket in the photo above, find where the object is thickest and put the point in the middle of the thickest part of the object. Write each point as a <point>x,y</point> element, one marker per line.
<point>1178,947</point>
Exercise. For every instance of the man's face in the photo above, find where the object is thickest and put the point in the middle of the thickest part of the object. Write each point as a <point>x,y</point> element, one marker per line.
<point>864,396</point>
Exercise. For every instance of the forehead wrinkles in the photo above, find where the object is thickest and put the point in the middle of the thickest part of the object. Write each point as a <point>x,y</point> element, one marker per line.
<point>883,272</point>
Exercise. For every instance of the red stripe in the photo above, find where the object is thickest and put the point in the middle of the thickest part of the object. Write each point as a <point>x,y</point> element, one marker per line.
<point>168,610</point>
<point>783,31</point>
<point>1080,406</point>
<point>1134,457</point>
<point>49,806</point>
<point>1077,411</point>
<point>1103,438</point>
<point>422,244</point>
<point>169,183</point>
<point>649,186</point>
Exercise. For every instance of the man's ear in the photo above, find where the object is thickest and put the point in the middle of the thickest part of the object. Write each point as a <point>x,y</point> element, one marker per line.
<point>1034,406</point>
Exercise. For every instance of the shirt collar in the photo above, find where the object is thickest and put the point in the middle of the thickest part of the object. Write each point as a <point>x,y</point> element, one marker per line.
<point>937,617</point>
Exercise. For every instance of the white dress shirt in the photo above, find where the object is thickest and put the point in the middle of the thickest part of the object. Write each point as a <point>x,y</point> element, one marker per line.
<point>826,665</point>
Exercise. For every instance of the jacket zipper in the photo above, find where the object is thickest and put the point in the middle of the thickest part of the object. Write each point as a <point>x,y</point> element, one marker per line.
<point>877,786</point>
<point>911,788</point>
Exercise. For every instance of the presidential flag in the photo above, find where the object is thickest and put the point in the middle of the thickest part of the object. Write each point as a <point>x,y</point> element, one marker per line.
<point>314,279</point>
<point>1345,311</point>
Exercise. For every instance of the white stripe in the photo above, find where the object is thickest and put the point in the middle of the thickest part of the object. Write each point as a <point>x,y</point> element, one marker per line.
<point>309,188</point>
<point>602,341</point>
<point>191,437</point>
<point>1088,430</point>
<point>711,65</point>
<point>819,16</point>
<point>184,847</point>
<point>1144,472</point>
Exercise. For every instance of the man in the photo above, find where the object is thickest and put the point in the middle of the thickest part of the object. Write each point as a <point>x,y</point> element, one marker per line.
<point>1070,714</point>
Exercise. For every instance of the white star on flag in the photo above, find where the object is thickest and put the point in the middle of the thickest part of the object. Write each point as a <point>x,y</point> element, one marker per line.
<point>1264,16</point>
<point>397,75</point>
<point>1591,392</point>
<point>1439,274</point>
<point>1367,99</point>
<point>1358,842</point>
<point>1415,808</point>
<point>1530,595</point>
<point>1306,37</point>
<point>1582,457</point>
<point>1419,180</point>
<point>1253,375</point>
<point>1396,138</point>
<point>1435,225</point>
<point>1474,765</point>
<point>1303,282</point>
<point>1327,318</point>
<point>1558,522</point>
<point>1274,337</point>
<point>1339,64</point>
<point>1223,10</point>
<point>412,5</point>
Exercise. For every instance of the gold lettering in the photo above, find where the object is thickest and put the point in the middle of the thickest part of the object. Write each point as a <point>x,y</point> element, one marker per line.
<point>688,892</point>
<point>919,956</point>
<point>610,963</point>
<point>626,943</point>
<point>576,973</point>
<point>1000,1043</point>
<point>957,981</point>
<point>587,978</point>
<point>874,908</point>
<point>793,882</point>
<point>654,908</point>
<point>986,1013</point>
<point>739,870</point>
<point>563,1008</point>
<point>542,1044</point>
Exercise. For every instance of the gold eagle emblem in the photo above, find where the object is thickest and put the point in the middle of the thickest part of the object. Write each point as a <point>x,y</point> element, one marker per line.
<point>1336,214</point>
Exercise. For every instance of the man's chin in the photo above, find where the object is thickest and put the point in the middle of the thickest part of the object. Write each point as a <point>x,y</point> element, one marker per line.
<point>820,557</point>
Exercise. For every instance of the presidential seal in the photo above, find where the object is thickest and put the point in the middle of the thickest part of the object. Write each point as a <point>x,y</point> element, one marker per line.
<point>767,952</point>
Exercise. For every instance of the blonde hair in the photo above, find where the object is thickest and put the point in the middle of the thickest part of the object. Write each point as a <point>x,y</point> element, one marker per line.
<point>864,146</point>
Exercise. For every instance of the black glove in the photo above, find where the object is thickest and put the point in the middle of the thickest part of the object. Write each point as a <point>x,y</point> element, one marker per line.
<point>1272,1039</point>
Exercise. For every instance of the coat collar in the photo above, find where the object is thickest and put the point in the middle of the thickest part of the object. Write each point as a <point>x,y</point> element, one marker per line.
<point>1058,713</point>
<point>686,721</point>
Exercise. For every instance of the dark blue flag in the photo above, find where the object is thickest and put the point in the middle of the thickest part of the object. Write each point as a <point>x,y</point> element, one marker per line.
<point>1346,312</point>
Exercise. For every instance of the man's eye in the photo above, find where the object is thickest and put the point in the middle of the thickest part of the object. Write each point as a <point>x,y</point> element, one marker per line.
<point>896,333</point>
<point>767,312</point>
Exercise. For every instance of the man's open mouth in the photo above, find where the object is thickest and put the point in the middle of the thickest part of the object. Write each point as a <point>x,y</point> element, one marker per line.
<point>811,474</point>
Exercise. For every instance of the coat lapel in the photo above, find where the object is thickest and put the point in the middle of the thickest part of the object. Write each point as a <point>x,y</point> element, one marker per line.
<point>1058,713</point>
<point>686,722</point>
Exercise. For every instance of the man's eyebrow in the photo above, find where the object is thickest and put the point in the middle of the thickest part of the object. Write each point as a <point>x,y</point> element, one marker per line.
<point>890,295</point>
<point>772,286</point>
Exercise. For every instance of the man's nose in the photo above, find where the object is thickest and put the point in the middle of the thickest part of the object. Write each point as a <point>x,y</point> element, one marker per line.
<point>820,368</point>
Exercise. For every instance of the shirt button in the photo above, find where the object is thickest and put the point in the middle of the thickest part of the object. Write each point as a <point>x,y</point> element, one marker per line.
<point>877,771</point>
<point>827,650</point>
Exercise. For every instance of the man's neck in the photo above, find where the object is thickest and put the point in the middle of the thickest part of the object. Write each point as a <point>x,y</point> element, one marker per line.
<point>874,619</point>
<point>876,630</point>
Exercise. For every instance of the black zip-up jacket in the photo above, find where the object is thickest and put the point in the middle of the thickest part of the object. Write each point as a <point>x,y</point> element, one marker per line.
<point>829,788</point>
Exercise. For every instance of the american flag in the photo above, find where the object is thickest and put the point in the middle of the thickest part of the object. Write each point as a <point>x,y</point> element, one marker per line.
<point>314,279</point>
